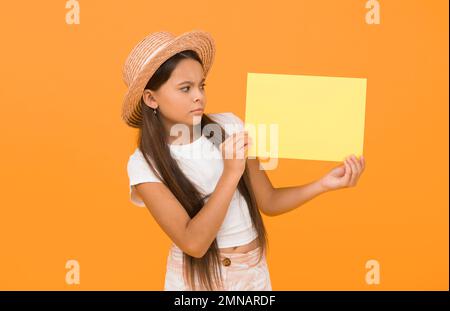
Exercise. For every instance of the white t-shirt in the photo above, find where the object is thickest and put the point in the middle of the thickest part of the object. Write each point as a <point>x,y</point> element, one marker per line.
<point>202,163</point>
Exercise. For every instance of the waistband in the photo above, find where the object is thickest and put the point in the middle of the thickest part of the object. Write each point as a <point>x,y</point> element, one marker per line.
<point>176,254</point>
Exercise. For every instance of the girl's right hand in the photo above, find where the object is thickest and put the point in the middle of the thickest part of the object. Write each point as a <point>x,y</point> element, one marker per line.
<point>235,152</point>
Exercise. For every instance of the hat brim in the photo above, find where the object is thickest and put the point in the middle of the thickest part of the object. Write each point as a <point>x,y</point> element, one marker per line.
<point>199,41</point>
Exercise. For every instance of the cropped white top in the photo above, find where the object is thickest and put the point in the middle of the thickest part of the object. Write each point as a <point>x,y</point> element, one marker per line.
<point>204,170</point>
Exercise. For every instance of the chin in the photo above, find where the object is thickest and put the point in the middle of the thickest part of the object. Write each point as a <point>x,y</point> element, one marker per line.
<point>196,119</point>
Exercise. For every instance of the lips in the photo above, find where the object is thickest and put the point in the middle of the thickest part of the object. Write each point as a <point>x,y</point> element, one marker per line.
<point>197,110</point>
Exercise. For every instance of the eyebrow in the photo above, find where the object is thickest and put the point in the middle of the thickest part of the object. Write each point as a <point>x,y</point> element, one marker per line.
<point>190,82</point>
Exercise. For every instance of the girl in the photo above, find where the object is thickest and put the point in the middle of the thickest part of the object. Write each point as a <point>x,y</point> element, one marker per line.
<point>192,172</point>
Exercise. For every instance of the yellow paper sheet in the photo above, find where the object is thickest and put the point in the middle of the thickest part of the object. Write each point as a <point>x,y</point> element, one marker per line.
<point>317,117</point>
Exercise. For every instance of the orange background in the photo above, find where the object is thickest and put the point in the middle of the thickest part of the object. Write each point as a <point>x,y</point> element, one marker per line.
<point>64,147</point>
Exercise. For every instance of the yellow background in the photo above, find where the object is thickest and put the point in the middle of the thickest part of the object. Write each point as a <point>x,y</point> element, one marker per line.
<point>64,147</point>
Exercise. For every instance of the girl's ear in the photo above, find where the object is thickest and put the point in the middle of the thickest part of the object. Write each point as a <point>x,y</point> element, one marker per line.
<point>149,99</point>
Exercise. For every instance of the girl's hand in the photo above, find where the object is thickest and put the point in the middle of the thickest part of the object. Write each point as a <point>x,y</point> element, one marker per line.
<point>344,176</point>
<point>235,152</point>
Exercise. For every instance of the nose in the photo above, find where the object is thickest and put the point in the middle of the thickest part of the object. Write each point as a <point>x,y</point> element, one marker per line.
<point>198,96</point>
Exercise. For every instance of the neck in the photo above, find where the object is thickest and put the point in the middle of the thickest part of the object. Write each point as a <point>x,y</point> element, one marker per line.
<point>180,138</point>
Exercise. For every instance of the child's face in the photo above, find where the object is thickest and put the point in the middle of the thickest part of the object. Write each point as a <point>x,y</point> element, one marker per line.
<point>176,98</point>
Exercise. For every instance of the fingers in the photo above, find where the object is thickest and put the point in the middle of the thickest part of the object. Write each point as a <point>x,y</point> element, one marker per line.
<point>354,171</point>
<point>348,172</point>
<point>236,145</point>
<point>237,136</point>
<point>241,146</point>
<point>357,163</point>
<point>233,139</point>
<point>356,166</point>
<point>241,139</point>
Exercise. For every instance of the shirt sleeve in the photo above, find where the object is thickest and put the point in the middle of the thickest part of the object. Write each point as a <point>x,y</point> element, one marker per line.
<point>139,172</point>
<point>237,121</point>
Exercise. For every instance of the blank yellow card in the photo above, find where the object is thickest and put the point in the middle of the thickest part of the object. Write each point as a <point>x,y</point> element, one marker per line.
<point>305,117</point>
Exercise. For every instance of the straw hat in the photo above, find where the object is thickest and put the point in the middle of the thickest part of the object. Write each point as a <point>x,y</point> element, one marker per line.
<point>150,53</point>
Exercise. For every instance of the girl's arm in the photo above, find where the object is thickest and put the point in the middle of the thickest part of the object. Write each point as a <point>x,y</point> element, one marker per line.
<point>192,235</point>
<point>277,201</point>
<point>202,229</point>
<point>195,235</point>
<point>285,199</point>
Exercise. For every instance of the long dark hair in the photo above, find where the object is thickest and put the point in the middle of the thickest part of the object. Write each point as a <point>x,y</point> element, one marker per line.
<point>152,142</point>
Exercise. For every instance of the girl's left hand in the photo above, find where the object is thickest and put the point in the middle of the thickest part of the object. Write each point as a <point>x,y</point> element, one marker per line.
<point>344,176</point>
